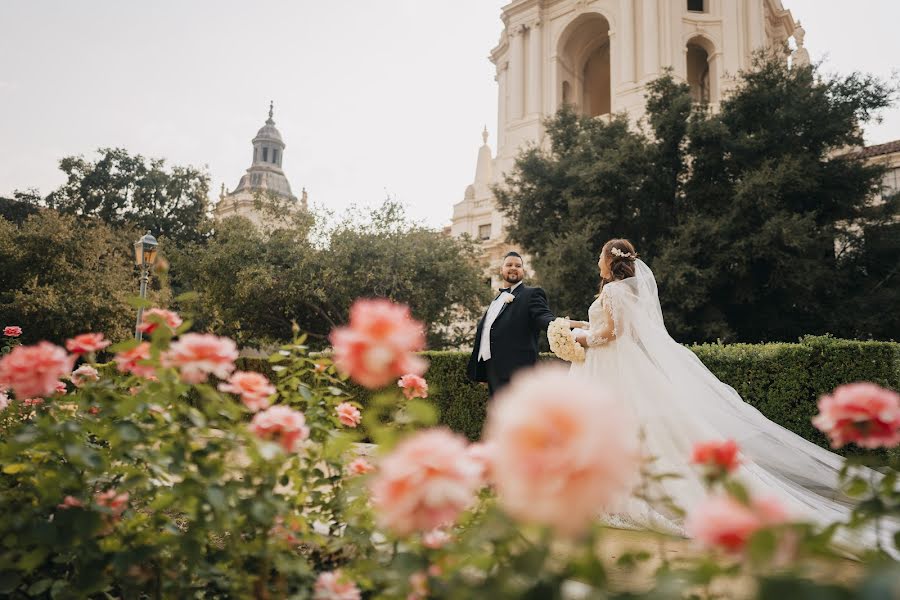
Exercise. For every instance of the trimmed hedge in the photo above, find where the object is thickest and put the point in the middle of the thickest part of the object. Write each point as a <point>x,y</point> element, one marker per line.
<point>782,380</point>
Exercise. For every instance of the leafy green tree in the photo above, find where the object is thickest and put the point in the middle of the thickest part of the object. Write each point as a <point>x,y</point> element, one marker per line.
<point>252,285</point>
<point>738,212</point>
<point>130,190</point>
<point>63,276</point>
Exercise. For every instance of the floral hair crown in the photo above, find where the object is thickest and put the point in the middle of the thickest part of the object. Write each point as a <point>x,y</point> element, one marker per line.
<point>616,252</point>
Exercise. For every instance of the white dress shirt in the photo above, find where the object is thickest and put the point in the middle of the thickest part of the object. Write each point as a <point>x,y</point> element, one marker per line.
<point>484,350</point>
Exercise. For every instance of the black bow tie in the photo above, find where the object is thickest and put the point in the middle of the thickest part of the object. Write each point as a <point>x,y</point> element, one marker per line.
<point>507,290</point>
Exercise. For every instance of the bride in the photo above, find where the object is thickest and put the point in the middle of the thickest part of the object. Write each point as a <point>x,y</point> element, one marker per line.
<point>679,402</point>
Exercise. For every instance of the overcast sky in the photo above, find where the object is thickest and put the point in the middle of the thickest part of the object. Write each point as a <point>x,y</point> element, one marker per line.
<point>371,96</point>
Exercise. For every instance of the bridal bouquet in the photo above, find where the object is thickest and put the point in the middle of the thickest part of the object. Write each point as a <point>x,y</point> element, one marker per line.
<point>562,341</point>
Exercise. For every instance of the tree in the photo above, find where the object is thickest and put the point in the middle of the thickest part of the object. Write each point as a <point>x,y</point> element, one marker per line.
<point>129,190</point>
<point>738,212</point>
<point>252,285</point>
<point>63,276</point>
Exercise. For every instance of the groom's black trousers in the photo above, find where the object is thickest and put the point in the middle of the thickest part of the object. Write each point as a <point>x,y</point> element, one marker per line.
<point>495,380</point>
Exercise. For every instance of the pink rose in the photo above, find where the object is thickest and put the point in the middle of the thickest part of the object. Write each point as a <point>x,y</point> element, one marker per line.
<point>61,387</point>
<point>253,388</point>
<point>332,585</point>
<point>436,539</point>
<point>481,453</point>
<point>418,586</point>
<point>563,449</point>
<point>378,344</point>
<point>12,331</point>
<point>84,374</point>
<point>861,413</point>
<point>197,355</point>
<point>70,502</point>
<point>281,424</point>
<point>87,342</point>
<point>359,466</point>
<point>718,456</point>
<point>413,386</point>
<point>348,414</point>
<point>151,319</point>
<point>34,370</point>
<point>115,502</point>
<point>132,361</point>
<point>723,522</point>
<point>32,401</point>
<point>425,482</point>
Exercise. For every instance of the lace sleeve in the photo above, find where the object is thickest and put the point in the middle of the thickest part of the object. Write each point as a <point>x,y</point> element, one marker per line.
<point>603,327</point>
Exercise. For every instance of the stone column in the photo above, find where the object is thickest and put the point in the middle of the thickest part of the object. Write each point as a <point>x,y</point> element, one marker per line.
<point>516,73</point>
<point>755,26</point>
<point>625,39</point>
<point>535,68</point>
<point>502,71</point>
<point>650,37</point>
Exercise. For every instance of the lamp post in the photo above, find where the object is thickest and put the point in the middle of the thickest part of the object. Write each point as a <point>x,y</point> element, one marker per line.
<point>144,257</point>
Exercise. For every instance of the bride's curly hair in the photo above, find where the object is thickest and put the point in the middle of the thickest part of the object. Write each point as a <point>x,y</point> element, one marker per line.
<point>620,261</point>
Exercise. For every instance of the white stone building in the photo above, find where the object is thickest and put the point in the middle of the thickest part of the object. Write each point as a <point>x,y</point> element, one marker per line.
<point>599,56</point>
<point>263,184</point>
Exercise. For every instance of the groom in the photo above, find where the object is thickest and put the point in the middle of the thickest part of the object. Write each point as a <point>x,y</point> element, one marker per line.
<point>507,336</point>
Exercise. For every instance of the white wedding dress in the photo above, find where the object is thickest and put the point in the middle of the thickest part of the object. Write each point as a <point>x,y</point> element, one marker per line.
<point>679,402</point>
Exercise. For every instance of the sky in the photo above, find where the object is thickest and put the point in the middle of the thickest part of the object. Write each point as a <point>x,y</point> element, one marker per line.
<point>372,97</point>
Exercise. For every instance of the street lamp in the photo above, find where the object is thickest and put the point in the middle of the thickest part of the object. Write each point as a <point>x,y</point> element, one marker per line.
<point>144,257</point>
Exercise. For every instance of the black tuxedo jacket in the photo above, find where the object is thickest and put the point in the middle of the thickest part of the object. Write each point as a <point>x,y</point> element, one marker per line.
<point>514,334</point>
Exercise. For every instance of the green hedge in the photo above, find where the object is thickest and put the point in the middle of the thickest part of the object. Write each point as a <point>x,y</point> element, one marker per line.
<point>782,380</point>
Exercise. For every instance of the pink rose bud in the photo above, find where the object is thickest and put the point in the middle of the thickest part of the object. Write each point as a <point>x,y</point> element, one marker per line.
<point>862,413</point>
<point>348,414</point>
<point>87,342</point>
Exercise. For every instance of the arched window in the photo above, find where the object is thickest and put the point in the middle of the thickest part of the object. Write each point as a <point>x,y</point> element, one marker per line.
<point>584,65</point>
<point>698,76</point>
<point>275,155</point>
<point>265,154</point>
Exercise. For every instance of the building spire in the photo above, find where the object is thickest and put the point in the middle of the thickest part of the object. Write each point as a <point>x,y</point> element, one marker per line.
<point>484,134</point>
<point>271,112</point>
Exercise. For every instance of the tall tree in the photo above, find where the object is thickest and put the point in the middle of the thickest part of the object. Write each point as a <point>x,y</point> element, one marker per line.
<point>746,214</point>
<point>63,276</point>
<point>130,190</point>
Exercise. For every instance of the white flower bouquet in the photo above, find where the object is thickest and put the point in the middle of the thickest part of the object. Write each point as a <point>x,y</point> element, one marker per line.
<point>562,341</point>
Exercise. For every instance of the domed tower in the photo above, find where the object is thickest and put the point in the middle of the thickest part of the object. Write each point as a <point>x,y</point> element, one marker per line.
<point>264,180</point>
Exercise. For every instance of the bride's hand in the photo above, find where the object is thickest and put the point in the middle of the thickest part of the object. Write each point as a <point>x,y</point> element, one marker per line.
<point>582,339</point>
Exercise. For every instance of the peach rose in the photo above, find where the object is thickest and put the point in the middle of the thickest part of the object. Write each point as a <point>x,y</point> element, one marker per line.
<point>332,585</point>
<point>12,331</point>
<point>253,388</point>
<point>436,539</point>
<point>84,374</point>
<point>70,502</point>
<point>378,344</point>
<point>717,456</point>
<point>425,482</point>
<point>132,361</point>
<point>115,502</point>
<point>723,522</point>
<point>151,319</point>
<point>861,413</point>
<point>197,355</point>
<point>413,386</point>
<point>87,342</point>
<point>481,452</point>
<point>281,424</point>
<point>359,466</point>
<point>34,370</point>
<point>348,414</point>
<point>563,449</point>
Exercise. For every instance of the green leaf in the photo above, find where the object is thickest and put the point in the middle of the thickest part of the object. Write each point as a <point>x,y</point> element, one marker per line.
<point>39,587</point>
<point>15,468</point>
<point>216,497</point>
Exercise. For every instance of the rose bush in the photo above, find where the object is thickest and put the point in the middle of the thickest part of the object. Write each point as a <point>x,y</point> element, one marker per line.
<point>167,473</point>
